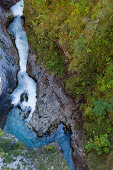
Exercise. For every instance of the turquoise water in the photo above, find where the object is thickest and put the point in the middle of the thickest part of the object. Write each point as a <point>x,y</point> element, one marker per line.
<point>15,123</point>
<point>17,126</point>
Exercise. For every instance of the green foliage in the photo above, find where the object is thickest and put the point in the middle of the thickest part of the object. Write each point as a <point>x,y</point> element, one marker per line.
<point>40,158</point>
<point>71,84</point>
<point>1,133</point>
<point>99,144</point>
<point>83,30</point>
<point>102,106</point>
<point>9,147</point>
<point>78,30</point>
<point>56,64</point>
<point>50,148</point>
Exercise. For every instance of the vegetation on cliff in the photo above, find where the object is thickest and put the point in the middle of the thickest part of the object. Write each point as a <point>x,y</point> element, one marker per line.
<point>73,39</point>
<point>15,155</point>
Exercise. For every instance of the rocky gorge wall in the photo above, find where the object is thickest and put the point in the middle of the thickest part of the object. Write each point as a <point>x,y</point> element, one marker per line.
<point>6,4</point>
<point>53,107</point>
<point>8,62</point>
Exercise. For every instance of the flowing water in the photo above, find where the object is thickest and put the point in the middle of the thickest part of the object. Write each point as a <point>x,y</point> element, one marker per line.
<point>26,85</point>
<point>24,97</point>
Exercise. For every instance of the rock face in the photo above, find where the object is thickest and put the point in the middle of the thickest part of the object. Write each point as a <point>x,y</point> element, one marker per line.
<point>55,107</point>
<point>6,4</point>
<point>8,66</point>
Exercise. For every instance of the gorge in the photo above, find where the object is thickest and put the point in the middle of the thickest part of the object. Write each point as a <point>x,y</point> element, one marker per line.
<point>26,89</point>
<point>56,83</point>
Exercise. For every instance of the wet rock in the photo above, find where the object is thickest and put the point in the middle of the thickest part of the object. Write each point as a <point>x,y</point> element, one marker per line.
<point>0,85</point>
<point>55,107</point>
<point>26,113</point>
<point>8,66</point>
<point>6,18</point>
<point>6,4</point>
<point>24,97</point>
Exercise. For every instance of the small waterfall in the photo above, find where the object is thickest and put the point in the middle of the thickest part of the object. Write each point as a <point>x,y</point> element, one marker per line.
<point>24,97</point>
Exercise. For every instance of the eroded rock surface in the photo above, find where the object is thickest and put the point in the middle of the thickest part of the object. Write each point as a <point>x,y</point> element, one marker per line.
<point>55,107</point>
<point>6,4</point>
<point>8,66</point>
